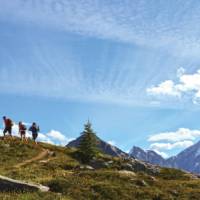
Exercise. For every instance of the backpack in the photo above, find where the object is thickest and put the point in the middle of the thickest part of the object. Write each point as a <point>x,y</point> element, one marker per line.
<point>9,123</point>
<point>23,128</point>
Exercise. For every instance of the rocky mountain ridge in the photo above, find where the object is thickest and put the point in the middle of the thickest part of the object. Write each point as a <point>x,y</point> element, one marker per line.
<point>103,146</point>
<point>188,159</point>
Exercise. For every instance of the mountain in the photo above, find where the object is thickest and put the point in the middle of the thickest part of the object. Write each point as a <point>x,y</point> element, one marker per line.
<point>188,159</point>
<point>63,176</point>
<point>103,146</point>
<point>147,156</point>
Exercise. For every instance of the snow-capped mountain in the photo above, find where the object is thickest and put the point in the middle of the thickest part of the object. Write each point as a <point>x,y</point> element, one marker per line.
<point>148,156</point>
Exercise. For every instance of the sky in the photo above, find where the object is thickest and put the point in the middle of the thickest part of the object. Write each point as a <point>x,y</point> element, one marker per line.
<point>131,67</point>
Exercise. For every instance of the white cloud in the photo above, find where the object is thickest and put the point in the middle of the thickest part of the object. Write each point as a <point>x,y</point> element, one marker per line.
<point>127,151</point>
<point>52,137</point>
<point>170,146</point>
<point>113,143</point>
<point>163,154</point>
<point>180,135</point>
<point>165,88</point>
<point>188,84</point>
<point>58,137</point>
<point>170,141</point>
<point>43,138</point>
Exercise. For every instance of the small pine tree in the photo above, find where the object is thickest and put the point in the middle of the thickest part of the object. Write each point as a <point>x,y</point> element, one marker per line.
<point>87,148</point>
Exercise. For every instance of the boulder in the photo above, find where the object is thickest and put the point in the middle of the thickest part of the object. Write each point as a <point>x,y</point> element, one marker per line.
<point>11,185</point>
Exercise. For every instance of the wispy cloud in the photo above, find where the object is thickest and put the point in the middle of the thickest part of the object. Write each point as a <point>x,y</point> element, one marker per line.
<point>54,71</point>
<point>154,24</point>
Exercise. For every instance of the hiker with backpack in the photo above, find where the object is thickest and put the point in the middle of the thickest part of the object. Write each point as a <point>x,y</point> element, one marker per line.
<point>8,124</point>
<point>34,129</point>
<point>22,131</point>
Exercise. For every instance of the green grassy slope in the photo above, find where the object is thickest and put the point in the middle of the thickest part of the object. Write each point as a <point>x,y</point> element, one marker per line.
<point>68,181</point>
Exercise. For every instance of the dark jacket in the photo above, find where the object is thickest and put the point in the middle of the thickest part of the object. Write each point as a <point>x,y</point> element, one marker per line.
<point>34,129</point>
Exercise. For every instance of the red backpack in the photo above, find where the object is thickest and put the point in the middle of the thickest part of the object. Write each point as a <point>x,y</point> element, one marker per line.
<point>22,127</point>
<point>9,123</point>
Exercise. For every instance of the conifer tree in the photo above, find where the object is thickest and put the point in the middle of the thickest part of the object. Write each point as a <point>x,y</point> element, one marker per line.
<point>88,145</point>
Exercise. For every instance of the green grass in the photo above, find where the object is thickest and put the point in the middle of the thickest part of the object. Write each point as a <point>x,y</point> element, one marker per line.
<point>32,196</point>
<point>61,172</point>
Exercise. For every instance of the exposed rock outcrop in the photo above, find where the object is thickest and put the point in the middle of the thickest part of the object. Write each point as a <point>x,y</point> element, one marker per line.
<point>11,185</point>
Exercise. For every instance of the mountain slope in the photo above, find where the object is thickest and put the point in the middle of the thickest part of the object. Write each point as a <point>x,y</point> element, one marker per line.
<point>188,159</point>
<point>147,156</point>
<point>103,146</point>
<point>107,177</point>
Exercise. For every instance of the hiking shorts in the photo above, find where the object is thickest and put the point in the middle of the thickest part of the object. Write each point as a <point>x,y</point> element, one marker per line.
<point>35,135</point>
<point>7,129</point>
<point>23,132</point>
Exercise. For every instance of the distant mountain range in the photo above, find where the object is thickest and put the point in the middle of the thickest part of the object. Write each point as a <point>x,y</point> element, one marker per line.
<point>147,156</point>
<point>103,146</point>
<point>188,159</point>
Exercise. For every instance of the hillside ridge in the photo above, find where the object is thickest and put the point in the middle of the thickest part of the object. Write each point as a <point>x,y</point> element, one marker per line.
<point>106,177</point>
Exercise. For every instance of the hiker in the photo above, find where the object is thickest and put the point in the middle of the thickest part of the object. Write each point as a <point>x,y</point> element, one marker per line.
<point>8,126</point>
<point>22,131</point>
<point>34,129</point>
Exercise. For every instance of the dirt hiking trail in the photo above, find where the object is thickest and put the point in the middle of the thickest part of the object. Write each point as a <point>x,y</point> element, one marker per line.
<point>44,153</point>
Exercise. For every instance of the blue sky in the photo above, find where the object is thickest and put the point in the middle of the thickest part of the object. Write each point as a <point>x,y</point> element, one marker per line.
<point>130,66</point>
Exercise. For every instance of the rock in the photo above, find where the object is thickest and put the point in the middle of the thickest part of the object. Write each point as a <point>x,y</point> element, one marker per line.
<point>98,164</point>
<point>11,185</point>
<point>141,183</point>
<point>152,178</point>
<point>106,164</point>
<point>147,156</point>
<point>89,167</point>
<point>43,161</point>
<point>52,153</point>
<point>174,192</point>
<point>110,162</point>
<point>140,166</point>
<point>86,167</point>
<point>126,173</point>
<point>6,145</point>
<point>128,167</point>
